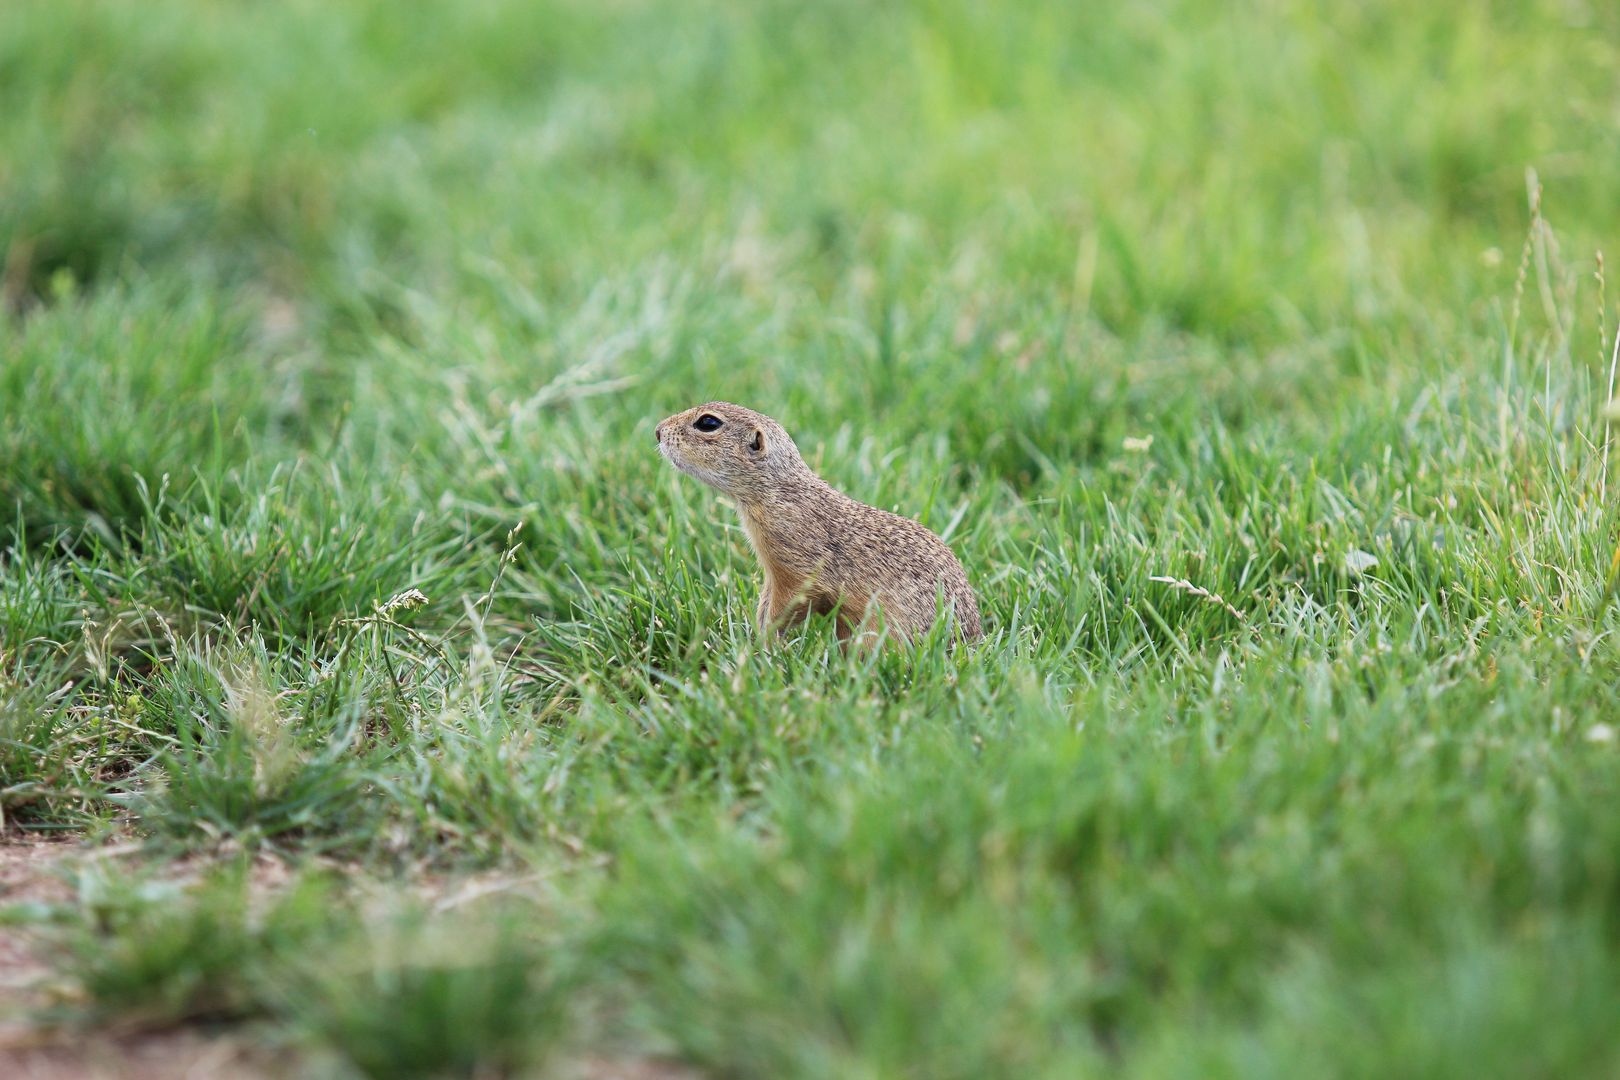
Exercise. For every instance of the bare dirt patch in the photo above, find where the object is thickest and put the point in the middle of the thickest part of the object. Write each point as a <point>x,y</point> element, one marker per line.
<point>160,1056</point>
<point>29,868</point>
<point>39,871</point>
<point>31,872</point>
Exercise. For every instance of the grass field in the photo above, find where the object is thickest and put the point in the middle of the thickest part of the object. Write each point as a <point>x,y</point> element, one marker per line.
<point>1253,357</point>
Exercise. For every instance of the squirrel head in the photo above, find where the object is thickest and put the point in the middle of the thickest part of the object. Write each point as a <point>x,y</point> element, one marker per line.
<point>736,451</point>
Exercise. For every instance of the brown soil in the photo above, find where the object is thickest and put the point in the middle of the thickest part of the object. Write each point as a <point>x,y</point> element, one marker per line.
<point>31,872</point>
<point>160,1056</point>
<point>39,871</point>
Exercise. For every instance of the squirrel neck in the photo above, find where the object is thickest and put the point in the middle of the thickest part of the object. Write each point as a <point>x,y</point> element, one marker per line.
<point>799,491</point>
<point>789,519</point>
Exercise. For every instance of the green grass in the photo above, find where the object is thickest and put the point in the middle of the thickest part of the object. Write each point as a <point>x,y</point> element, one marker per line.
<point>1223,341</point>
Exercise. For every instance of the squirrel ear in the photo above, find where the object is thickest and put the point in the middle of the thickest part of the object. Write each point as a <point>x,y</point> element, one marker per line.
<point>757,444</point>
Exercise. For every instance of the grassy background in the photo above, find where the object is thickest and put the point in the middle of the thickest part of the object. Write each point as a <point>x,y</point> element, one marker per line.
<point>308,305</point>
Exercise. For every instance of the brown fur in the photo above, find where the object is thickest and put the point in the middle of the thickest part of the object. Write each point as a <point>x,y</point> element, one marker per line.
<point>821,550</point>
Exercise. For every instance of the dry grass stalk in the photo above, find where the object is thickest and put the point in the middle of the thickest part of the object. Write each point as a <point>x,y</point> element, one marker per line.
<point>1203,594</point>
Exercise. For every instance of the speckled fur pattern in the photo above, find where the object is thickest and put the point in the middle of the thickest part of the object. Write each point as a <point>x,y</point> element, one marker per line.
<point>821,551</point>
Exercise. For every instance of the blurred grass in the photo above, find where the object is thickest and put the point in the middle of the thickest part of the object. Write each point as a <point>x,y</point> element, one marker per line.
<point>306,306</point>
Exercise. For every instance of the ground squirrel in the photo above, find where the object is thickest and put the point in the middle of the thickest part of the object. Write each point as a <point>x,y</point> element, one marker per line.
<point>821,550</point>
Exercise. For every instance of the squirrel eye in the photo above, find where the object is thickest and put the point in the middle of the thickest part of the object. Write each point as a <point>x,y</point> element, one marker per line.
<point>707,422</point>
